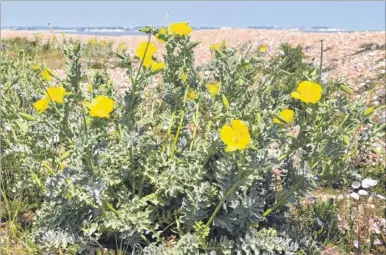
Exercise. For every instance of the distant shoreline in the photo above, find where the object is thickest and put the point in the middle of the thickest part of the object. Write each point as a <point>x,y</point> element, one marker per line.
<point>125,31</point>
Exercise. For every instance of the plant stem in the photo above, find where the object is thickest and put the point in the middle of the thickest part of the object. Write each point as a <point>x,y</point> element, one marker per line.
<point>178,133</point>
<point>285,197</point>
<point>196,122</point>
<point>218,207</point>
<point>321,62</point>
<point>170,128</point>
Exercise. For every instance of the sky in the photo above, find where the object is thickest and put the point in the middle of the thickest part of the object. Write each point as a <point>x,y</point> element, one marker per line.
<point>348,15</point>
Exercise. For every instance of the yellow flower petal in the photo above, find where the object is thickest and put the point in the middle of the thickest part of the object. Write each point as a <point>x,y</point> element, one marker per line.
<point>295,95</point>
<point>286,115</point>
<point>183,77</point>
<point>56,94</point>
<point>181,28</point>
<point>310,92</point>
<point>122,46</point>
<point>215,47</point>
<point>231,148</point>
<point>46,74</point>
<point>263,48</point>
<point>101,106</point>
<point>161,35</point>
<point>155,66</point>
<point>236,137</point>
<point>213,88</point>
<point>41,105</point>
<point>227,134</point>
<point>276,121</point>
<point>240,127</point>
<point>151,50</point>
<point>192,95</point>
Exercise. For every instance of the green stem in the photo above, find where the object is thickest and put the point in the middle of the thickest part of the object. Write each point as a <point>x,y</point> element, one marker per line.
<point>178,133</point>
<point>111,208</point>
<point>170,128</point>
<point>285,197</point>
<point>321,62</point>
<point>134,86</point>
<point>196,122</point>
<point>218,207</point>
<point>141,185</point>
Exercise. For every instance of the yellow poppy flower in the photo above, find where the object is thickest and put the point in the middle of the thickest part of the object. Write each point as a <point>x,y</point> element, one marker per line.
<point>160,35</point>
<point>151,50</point>
<point>263,48</point>
<point>308,92</point>
<point>154,65</point>
<point>181,28</point>
<point>213,88</point>
<point>46,74</point>
<point>218,46</point>
<point>91,41</point>
<point>101,106</point>
<point>214,47</point>
<point>183,77</point>
<point>56,94</point>
<point>287,115</point>
<point>89,88</point>
<point>41,105</point>
<point>102,43</point>
<point>35,67</point>
<point>192,95</point>
<point>236,137</point>
<point>122,46</point>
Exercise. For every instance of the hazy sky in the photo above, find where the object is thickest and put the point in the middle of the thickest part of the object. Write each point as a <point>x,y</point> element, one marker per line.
<point>350,15</point>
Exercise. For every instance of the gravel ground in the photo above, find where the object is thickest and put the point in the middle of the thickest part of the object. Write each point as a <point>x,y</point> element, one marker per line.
<point>344,57</point>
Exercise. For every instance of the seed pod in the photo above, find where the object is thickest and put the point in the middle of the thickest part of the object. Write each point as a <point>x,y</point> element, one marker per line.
<point>225,102</point>
<point>369,111</point>
<point>26,116</point>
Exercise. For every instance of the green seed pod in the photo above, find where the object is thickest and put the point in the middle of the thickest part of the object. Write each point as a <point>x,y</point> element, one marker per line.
<point>225,102</point>
<point>26,116</point>
<point>146,30</point>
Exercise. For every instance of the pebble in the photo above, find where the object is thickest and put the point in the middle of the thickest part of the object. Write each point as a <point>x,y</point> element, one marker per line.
<point>368,183</point>
<point>363,192</point>
<point>355,185</point>
<point>354,196</point>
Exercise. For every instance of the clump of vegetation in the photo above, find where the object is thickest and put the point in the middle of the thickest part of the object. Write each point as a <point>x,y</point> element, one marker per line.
<point>195,165</point>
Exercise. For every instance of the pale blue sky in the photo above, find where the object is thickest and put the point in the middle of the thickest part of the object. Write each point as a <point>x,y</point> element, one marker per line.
<point>349,15</point>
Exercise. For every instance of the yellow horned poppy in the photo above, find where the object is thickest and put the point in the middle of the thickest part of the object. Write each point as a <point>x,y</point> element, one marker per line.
<point>181,28</point>
<point>308,92</point>
<point>56,94</point>
<point>213,88</point>
<point>101,106</point>
<point>286,115</point>
<point>41,105</point>
<point>236,137</point>
<point>151,50</point>
<point>192,95</point>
